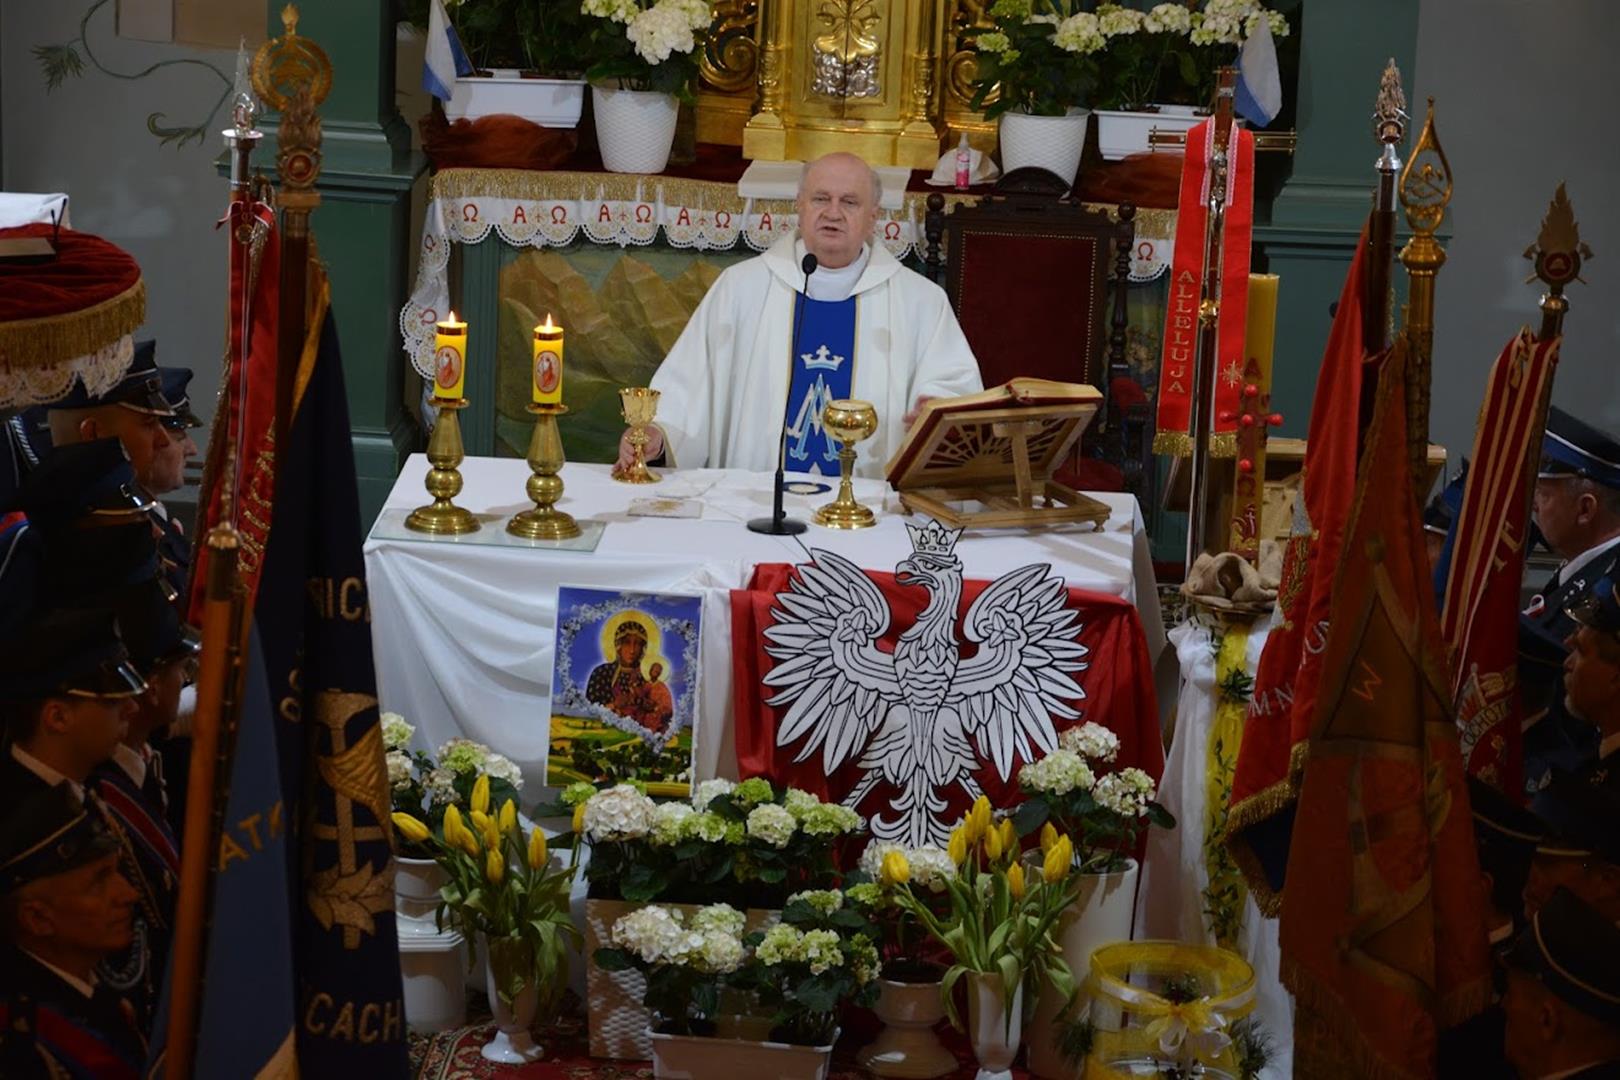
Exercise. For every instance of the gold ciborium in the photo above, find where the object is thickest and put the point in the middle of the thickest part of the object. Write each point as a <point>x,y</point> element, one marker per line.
<point>443,517</point>
<point>849,422</point>
<point>640,405</point>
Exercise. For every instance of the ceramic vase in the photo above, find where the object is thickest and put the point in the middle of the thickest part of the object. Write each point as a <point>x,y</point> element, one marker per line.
<point>995,1030</point>
<point>513,1044</point>
<point>552,103</point>
<point>907,1045</point>
<point>690,1057</point>
<point>1100,915</point>
<point>416,894</point>
<point>1121,133</point>
<point>1051,142</point>
<point>634,128</point>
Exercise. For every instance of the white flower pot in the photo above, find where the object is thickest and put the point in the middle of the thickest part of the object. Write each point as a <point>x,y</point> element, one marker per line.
<point>433,972</point>
<point>1050,142</point>
<point>1121,133</point>
<point>1100,915</point>
<point>994,1030</point>
<point>635,128</point>
<point>907,1045</point>
<point>512,1044</point>
<point>416,895</point>
<point>553,103</point>
<point>688,1057</point>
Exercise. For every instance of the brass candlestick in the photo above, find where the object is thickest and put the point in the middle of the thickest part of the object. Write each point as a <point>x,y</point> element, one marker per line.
<point>443,517</point>
<point>640,405</point>
<point>545,487</point>
<point>849,422</point>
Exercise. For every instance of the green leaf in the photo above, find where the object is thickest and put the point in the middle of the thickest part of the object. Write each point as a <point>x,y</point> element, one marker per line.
<point>1030,816</point>
<point>59,62</point>
<point>818,993</point>
<point>772,875</point>
<point>610,959</point>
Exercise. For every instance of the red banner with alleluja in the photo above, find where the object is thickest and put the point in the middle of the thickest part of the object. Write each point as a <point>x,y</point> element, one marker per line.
<point>1383,924</point>
<point>1172,432</point>
<point>1479,620</point>
<point>1117,683</point>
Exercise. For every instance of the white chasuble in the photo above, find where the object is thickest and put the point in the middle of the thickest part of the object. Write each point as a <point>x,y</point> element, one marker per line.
<point>725,385</point>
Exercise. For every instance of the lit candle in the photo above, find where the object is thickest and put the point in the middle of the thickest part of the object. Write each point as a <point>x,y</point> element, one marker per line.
<point>548,363</point>
<point>450,359</point>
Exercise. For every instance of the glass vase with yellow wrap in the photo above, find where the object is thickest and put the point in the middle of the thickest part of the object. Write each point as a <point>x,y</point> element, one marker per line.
<point>998,929</point>
<point>504,887</point>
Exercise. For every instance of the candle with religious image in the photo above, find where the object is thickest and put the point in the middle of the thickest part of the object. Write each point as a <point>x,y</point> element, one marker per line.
<point>450,359</point>
<point>548,363</point>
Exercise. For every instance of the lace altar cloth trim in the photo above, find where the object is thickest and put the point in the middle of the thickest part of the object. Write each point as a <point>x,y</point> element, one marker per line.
<point>99,371</point>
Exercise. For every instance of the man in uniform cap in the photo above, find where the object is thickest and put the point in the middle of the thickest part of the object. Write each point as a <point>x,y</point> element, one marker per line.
<point>1592,679</point>
<point>1577,508</point>
<point>1563,994</point>
<point>64,908</point>
<point>168,474</point>
<point>1581,851</point>
<point>133,411</point>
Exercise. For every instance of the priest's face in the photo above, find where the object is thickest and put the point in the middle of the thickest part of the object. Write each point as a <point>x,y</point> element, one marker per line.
<point>838,208</point>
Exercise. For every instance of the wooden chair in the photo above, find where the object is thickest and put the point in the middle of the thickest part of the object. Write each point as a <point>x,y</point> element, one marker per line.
<point>1038,283</point>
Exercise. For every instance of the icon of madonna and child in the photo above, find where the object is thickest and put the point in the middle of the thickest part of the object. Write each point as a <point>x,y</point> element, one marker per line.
<point>624,688</point>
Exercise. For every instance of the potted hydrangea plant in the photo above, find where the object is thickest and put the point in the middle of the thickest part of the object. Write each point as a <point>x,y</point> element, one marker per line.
<point>1035,72</point>
<point>645,63</point>
<point>524,54</point>
<point>1103,814</point>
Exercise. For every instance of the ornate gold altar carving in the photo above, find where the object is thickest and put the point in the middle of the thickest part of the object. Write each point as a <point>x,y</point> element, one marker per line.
<point>728,72</point>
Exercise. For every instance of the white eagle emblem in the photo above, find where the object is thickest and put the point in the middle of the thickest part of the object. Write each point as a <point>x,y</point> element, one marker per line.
<point>916,715</point>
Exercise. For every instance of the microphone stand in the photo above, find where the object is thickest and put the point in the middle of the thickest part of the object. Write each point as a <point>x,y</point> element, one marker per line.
<point>779,524</point>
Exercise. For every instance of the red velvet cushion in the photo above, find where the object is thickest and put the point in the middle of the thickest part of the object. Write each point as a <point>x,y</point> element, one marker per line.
<point>1025,304</point>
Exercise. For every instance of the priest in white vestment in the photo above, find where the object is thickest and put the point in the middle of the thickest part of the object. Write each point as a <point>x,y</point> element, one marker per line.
<point>872,329</point>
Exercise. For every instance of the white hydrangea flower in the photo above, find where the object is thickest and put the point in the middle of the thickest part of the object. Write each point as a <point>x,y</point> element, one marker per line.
<point>1079,33</point>
<point>1091,741</point>
<point>501,767</point>
<point>719,918</point>
<point>830,819</point>
<point>864,961</point>
<point>772,824</point>
<point>653,933</point>
<point>782,944</point>
<point>1115,21</point>
<point>710,828</point>
<point>1058,773</point>
<point>399,769</point>
<point>992,41</point>
<point>462,756</point>
<point>396,732</point>
<point>708,790</point>
<point>440,785</point>
<point>717,953</point>
<point>1167,18</point>
<point>696,12</point>
<point>821,950</point>
<point>799,802</point>
<point>660,31</point>
<point>1044,20</point>
<point>668,827</point>
<point>825,901</point>
<point>1139,782</point>
<point>931,868</point>
<point>1115,792</point>
<point>619,813</point>
<point>620,11</point>
<point>871,861</point>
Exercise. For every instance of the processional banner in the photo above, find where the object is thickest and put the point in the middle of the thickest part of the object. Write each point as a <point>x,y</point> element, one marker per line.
<point>906,695</point>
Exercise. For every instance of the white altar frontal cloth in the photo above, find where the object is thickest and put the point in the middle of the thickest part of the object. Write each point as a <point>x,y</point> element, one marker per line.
<point>462,627</point>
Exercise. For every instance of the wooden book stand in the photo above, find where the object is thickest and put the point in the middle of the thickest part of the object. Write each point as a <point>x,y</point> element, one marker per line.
<point>998,449</point>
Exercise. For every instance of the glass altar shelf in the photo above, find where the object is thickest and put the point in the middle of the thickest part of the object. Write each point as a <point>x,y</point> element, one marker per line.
<point>390,525</point>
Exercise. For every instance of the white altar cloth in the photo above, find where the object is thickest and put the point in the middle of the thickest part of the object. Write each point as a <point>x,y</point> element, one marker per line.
<point>462,628</point>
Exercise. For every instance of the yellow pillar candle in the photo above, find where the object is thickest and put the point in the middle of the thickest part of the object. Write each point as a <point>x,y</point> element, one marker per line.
<point>1261,333</point>
<point>548,363</point>
<point>450,359</point>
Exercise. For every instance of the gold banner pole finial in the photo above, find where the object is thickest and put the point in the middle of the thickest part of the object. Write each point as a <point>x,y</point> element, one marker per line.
<point>1425,192</point>
<point>1557,254</point>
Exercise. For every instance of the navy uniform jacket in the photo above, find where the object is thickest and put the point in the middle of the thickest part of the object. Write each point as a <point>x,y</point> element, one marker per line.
<point>1557,740</point>
<point>174,556</point>
<point>49,1029</point>
<point>147,836</point>
<point>134,973</point>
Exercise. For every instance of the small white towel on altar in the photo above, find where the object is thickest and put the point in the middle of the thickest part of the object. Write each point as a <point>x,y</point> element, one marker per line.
<point>780,180</point>
<point>22,208</point>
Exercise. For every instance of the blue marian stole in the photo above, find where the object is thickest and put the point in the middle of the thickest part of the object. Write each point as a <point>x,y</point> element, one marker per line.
<point>823,371</point>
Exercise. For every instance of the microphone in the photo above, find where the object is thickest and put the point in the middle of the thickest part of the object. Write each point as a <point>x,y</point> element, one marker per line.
<point>779,524</point>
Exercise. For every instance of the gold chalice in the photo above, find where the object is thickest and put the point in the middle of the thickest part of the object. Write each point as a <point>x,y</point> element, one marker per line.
<point>850,422</point>
<point>640,405</point>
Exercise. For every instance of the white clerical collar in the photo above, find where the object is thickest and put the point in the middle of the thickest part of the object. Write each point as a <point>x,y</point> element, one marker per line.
<point>88,989</point>
<point>835,285</point>
<point>1569,569</point>
<point>45,772</point>
<point>132,762</point>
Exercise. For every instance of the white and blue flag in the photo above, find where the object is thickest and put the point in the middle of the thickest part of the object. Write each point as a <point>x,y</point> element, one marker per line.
<point>1259,86</point>
<point>445,57</point>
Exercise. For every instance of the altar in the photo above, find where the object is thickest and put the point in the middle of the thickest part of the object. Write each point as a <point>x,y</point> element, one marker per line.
<point>464,626</point>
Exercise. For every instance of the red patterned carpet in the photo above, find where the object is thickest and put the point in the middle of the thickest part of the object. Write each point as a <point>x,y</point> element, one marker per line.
<point>453,1055</point>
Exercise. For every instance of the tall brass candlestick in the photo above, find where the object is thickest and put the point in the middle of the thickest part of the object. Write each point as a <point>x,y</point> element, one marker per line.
<point>545,487</point>
<point>444,453</point>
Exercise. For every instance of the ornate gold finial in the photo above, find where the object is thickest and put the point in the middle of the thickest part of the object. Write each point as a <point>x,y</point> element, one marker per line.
<point>1389,113</point>
<point>1426,180</point>
<point>1558,251</point>
<point>289,66</point>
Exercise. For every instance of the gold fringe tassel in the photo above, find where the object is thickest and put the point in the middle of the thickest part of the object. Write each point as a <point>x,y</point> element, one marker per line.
<point>28,344</point>
<point>1222,444</point>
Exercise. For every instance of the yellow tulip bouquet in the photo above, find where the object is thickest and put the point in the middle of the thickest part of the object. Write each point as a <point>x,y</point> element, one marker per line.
<point>503,887</point>
<point>1001,917</point>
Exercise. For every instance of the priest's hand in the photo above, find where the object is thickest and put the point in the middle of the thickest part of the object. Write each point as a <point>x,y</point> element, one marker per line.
<point>922,400</point>
<point>627,454</point>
